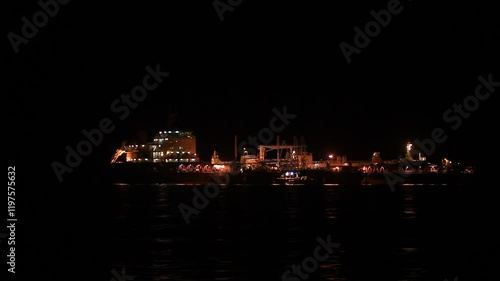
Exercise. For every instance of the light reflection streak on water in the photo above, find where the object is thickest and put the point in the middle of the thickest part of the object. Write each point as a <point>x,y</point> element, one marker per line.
<point>409,209</point>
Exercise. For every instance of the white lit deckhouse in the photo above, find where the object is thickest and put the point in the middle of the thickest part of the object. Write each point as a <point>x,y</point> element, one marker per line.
<point>167,146</point>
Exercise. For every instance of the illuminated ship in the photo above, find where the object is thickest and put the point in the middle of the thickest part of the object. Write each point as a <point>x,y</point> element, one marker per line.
<point>171,158</point>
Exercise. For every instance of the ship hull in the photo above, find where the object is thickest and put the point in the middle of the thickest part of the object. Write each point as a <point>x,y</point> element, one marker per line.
<point>146,173</point>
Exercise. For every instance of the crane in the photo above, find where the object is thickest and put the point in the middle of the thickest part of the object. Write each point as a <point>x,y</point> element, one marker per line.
<point>119,152</point>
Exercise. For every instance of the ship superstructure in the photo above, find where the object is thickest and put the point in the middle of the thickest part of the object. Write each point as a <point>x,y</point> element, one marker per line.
<point>167,147</point>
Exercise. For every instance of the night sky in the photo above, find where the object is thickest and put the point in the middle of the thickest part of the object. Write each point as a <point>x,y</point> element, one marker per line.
<point>226,77</point>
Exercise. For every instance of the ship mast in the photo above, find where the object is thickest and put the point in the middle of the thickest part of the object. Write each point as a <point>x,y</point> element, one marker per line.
<point>235,147</point>
<point>278,148</point>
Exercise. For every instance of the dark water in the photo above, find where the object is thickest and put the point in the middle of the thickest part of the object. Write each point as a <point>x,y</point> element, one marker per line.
<point>257,233</point>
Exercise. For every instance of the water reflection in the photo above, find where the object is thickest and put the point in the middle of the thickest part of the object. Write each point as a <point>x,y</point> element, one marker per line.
<point>256,233</point>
